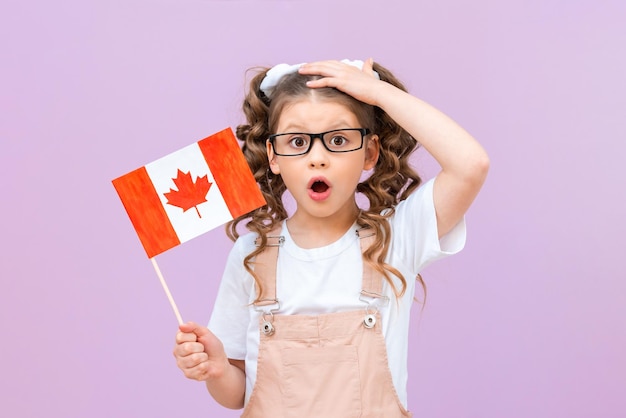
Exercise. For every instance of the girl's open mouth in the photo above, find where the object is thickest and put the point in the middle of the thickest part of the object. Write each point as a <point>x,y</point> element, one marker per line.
<point>319,189</point>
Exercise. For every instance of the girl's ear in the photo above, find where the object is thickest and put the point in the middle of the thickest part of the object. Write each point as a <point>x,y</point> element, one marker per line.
<point>372,151</point>
<point>272,158</point>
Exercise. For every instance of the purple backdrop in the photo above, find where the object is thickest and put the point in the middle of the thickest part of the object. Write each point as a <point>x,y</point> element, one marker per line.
<point>529,321</point>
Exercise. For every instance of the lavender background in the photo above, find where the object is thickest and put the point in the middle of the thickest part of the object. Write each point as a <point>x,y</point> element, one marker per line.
<point>529,321</point>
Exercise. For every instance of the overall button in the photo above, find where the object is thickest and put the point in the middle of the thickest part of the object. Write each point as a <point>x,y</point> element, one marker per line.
<point>369,321</point>
<point>267,328</point>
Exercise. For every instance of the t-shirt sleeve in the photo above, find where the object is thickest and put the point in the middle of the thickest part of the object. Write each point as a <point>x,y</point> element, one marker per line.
<point>415,236</point>
<point>230,316</point>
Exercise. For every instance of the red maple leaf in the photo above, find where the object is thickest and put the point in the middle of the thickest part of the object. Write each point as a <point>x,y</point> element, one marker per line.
<point>189,194</point>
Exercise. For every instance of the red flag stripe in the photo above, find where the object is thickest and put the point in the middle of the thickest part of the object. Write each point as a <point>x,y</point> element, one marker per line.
<point>146,212</point>
<point>231,172</point>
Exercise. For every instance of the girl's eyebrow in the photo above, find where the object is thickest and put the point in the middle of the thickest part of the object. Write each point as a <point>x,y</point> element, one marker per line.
<point>341,124</point>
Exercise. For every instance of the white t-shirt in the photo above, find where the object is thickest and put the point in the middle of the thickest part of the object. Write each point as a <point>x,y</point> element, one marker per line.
<point>329,279</point>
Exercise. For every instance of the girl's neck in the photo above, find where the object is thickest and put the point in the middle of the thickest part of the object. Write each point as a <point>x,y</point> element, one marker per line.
<point>314,232</point>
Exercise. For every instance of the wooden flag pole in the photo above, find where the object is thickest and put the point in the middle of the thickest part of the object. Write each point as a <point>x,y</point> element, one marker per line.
<point>167,291</point>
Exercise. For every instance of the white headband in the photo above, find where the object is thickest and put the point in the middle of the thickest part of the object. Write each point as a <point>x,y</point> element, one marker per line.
<point>277,72</point>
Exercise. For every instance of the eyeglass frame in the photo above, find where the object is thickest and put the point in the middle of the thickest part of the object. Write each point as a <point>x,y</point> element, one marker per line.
<point>364,132</point>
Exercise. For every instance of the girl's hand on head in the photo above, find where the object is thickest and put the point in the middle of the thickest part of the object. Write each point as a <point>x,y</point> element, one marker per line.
<point>360,84</point>
<point>199,353</point>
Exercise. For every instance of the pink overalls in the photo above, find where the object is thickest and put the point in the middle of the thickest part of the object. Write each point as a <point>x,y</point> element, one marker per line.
<point>328,366</point>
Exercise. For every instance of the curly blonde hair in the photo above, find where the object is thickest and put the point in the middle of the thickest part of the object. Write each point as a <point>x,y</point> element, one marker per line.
<point>391,181</point>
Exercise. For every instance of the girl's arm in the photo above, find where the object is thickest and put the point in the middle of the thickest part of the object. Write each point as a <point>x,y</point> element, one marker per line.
<point>463,161</point>
<point>201,356</point>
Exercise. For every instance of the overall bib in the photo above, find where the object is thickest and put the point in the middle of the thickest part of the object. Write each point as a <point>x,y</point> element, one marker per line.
<point>328,366</point>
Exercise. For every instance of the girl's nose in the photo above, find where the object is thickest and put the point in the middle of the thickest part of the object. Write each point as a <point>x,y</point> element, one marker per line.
<point>318,155</point>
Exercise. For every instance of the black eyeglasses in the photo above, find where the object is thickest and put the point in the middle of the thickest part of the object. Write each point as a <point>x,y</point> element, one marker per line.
<point>300,143</point>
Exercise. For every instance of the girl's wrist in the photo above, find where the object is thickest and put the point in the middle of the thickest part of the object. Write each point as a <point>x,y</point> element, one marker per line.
<point>387,95</point>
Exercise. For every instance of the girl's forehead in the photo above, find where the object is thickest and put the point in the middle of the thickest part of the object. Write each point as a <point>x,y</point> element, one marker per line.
<point>314,112</point>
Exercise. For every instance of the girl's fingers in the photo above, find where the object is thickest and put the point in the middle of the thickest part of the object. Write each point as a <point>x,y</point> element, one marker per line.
<point>368,66</point>
<point>336,68</point>
<point>323,82</point>
<point>311,67</point>
<point>195,374</point>
<point>183,337</point>
<point>199,367</point>
<point>340,75</point>
<point>324,68</point>
<point>192,361</point>
<point>361,84</point>
<point>196,351</point>
<point>188,348</point>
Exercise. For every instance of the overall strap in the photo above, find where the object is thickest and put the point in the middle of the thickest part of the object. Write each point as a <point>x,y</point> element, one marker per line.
<point>265,268</point>
<point>372,280</point>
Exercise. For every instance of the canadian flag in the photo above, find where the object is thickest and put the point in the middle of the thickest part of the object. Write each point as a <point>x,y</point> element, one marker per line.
<point>189,192</point>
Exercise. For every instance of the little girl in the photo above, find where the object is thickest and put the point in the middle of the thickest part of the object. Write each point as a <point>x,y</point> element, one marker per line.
<point>312,314</point>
